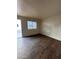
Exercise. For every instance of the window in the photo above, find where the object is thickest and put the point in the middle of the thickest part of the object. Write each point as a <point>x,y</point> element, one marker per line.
<point>31,24</point>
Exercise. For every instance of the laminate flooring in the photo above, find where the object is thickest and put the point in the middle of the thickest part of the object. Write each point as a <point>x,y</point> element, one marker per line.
<point>38,47</point>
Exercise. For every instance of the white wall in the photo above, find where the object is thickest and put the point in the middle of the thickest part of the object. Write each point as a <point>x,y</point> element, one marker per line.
<point>51,27</point>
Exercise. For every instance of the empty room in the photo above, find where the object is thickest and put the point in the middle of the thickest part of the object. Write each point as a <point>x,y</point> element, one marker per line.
<point>39,32</point>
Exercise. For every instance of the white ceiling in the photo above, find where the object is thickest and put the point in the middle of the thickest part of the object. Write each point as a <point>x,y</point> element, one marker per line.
<point>41,8</point>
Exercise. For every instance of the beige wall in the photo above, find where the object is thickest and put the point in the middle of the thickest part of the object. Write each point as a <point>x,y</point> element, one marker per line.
<point>51,27</point>
<point>25,31</point>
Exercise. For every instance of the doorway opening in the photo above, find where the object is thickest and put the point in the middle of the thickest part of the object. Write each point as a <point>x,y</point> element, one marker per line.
<point>19,28</point>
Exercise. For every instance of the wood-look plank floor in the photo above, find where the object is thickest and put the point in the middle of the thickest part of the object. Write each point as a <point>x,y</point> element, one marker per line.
<point>38,47</point>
